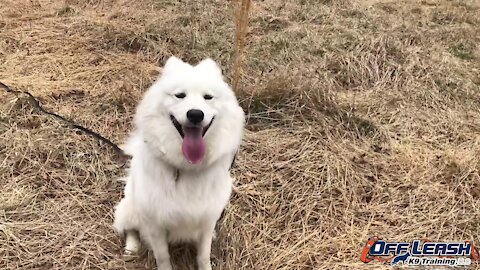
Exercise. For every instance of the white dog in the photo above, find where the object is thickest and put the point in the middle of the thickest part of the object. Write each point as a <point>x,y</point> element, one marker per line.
<point>188,128</point>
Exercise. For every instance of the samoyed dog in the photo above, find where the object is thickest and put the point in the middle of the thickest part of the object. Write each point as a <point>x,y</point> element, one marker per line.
<point>188,128</point>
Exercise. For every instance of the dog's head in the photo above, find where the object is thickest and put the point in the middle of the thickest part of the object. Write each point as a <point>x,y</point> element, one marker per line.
<point>190,116</point>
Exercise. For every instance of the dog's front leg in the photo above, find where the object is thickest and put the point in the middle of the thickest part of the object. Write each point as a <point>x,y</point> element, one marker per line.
<point>204,247</point>
<point>158,241</point>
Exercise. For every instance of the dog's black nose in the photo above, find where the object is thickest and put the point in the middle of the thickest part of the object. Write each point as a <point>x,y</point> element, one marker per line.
<point>195,116</point>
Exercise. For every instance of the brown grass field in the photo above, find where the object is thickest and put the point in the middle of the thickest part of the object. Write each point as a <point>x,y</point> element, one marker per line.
<point>363,120</point>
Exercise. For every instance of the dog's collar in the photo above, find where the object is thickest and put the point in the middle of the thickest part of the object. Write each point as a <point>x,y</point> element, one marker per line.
<point>176,174</point>
<point>176,171</point>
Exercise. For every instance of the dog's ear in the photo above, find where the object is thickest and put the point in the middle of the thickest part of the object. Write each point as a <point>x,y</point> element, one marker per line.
<point>174,64</point>
<point>209,66</point>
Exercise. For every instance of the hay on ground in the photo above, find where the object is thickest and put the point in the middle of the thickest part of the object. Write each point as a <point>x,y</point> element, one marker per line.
<point>363,119</point>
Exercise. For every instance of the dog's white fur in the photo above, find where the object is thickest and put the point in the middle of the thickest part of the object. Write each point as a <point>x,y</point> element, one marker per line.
<point>160,207</point>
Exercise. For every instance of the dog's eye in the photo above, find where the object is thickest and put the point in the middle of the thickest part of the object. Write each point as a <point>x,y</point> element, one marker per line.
<point>180,95</point>
<point>207,97</point>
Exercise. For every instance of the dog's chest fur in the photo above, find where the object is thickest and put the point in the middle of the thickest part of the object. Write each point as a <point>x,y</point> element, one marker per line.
<point>183,205</point>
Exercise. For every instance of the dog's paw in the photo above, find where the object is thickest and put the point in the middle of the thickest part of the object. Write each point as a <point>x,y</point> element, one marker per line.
<point>164,266</point>
<point>132,243</point>
<point>129,257</point>
<point>204,263</point>
<point>205,266</point>
<point>130,252</point>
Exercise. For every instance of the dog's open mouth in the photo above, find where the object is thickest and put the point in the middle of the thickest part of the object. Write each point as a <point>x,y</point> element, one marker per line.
<point>193,146</point>
<point>180,129</point>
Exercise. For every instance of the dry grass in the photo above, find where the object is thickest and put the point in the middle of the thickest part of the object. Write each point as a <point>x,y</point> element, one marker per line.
<point>363,120</point>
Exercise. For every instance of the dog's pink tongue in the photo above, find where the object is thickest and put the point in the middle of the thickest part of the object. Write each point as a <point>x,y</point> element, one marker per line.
<point>193,146</point>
